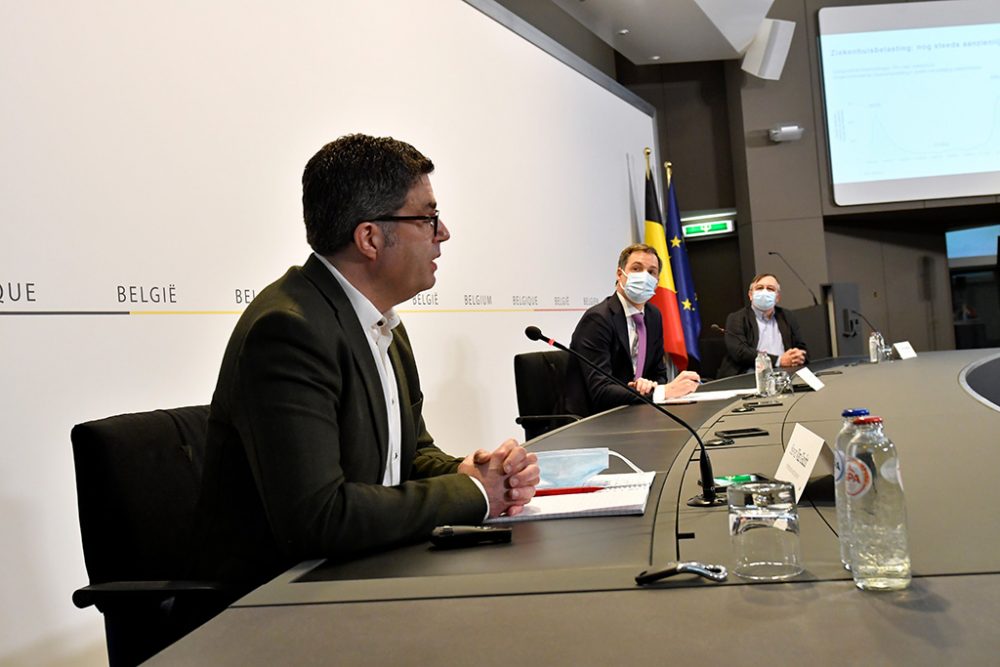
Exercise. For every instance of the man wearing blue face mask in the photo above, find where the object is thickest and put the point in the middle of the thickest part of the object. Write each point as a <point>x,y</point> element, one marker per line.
<point>623,335</point>
<point>763,325</point>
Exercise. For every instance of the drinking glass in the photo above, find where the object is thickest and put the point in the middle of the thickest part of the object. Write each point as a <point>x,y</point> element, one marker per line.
<point>778,382</point>
<point>764,530</point>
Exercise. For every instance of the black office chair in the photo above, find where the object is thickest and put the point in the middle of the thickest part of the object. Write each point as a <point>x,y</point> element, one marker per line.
<point>713,351</point>
<point>137,480</point>
<point>539,378</point>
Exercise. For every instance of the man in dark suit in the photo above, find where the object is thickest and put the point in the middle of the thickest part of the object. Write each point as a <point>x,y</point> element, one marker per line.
<point>762,325</point>
<point>316,443</point>
<point>623,335</point>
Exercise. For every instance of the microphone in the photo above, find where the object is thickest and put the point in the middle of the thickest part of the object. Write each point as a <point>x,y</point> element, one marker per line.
<point>882,349</point>
<point>708,497</point>
<point>727,332</point>
<point>804,284</point>
<point>870,325</point>
<point>850,324</point>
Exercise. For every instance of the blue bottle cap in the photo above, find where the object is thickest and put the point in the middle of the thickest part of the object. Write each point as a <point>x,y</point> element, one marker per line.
<point>854,412</point>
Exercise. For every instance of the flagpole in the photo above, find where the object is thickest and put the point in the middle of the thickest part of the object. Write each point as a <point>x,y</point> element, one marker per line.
<point>647,152</point>
<point>669,168</point>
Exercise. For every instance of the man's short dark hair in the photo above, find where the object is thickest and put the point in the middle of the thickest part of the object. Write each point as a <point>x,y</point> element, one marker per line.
<point>354,179</point>
<point>639,247</point>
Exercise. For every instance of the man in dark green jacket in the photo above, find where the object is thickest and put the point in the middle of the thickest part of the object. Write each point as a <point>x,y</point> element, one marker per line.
<point>316,444</point>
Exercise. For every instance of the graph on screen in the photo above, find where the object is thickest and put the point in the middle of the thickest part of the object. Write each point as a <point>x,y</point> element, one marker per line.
<point>912,106</point>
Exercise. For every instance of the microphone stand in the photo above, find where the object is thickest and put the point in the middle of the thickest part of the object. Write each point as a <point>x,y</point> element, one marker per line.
<point>870,325</point>
<point>727,332</point>
<point>742,340</point>
<point>708,497</point>
<point>883,349</point>
<point>804,283</point>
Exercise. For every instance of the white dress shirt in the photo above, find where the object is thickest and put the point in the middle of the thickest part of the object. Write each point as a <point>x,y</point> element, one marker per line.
<point>378,329</point>
<point>769,339</point>
<point>633,337</point>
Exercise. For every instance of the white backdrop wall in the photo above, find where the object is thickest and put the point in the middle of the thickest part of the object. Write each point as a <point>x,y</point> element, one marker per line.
<point>150,156</point>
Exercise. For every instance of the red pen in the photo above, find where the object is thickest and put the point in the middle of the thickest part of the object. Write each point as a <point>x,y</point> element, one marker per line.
<point>566,490</point>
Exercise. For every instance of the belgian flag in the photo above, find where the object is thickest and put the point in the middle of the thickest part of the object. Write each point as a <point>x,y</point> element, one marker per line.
<point>665,298</point>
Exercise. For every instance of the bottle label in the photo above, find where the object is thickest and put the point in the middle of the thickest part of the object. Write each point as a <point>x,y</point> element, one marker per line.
<point>838,466</point>
<point>858,478</point>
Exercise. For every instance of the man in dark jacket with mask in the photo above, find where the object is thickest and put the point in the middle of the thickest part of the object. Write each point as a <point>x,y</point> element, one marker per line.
<point>762,325</point>
<point>623,335</point>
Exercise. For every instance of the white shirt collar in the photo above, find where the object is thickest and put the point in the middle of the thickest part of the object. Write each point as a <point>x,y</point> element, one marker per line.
<point>630,310</point>
<point>371,319</point>
<point>761,315</point>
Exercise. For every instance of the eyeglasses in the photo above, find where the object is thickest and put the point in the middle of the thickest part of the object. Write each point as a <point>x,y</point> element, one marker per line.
<point>432,219</point>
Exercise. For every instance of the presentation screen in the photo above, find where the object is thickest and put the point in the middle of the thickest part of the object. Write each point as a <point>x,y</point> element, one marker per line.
<point>912,100</point>
<point>973,247</point>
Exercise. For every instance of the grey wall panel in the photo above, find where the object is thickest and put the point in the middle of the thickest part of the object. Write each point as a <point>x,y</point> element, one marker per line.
<point>918,289</point>
<point>801,242</point>
<point>903,278</point>
<point>782,177</point>
<point>856,256</point>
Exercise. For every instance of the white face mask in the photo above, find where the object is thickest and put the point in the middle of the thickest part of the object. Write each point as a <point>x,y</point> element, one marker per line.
<point>639,287</point>
<point>764,300</point>
<point>571,467</point>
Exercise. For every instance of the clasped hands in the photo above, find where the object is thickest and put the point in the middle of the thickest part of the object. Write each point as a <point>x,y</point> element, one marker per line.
<point>793,356</point>
<point>509,474</point>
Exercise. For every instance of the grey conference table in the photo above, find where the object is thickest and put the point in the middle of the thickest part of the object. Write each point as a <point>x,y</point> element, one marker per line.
<point>563,592</point>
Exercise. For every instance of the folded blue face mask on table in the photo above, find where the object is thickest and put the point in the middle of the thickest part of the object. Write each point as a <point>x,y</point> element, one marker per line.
<point>571,467</point>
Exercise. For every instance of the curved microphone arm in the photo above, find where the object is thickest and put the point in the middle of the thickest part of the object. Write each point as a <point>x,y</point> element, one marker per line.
<point>804,283</point>
<point>870,325</point>
<point>727,332</point>
<point>708,496</point>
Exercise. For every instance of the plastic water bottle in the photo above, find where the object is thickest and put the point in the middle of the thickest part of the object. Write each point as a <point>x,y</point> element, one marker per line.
<point>762,367</point>
<point>875,345</point>
<point>876,510</point>
<point>847,432</point>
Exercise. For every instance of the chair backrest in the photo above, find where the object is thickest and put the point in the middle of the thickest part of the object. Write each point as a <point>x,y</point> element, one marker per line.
<point>713,351</point>
<point>137,480</point>
<point>540,378</point>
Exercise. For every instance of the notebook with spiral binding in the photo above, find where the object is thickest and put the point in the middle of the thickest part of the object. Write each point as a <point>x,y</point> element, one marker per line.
<point>623,494</point>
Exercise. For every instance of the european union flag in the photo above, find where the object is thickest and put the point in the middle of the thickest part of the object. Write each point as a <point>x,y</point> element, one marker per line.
<point>687,299</point>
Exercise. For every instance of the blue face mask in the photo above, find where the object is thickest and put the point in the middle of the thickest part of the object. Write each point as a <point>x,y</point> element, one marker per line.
<point>764,300</point>
<point>640,287</point>
<point>571,467</point>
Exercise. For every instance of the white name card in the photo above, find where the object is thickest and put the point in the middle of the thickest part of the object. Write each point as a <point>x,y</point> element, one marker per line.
<point>905,350</point>
<point>800,458</point>
<point>810,379</point>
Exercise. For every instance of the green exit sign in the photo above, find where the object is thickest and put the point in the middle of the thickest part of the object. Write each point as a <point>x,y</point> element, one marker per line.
<point>700,229</point>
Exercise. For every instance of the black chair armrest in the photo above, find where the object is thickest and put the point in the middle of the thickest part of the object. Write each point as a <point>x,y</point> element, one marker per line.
<point>137,592</point>
<point>539,419</point>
